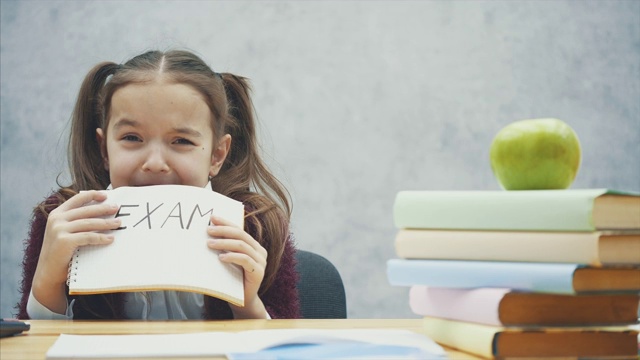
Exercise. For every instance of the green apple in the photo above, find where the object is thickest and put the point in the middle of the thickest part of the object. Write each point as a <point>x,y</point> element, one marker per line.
<point>535,154</point>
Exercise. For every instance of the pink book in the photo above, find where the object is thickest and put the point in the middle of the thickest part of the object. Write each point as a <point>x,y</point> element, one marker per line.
<point>475,305</point>
<point>505,307</point>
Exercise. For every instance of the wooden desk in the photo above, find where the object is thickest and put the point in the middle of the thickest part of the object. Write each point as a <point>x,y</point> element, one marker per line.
<point>34,344</point>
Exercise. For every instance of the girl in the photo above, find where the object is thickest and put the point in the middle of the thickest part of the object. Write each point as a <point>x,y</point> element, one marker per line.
<point>162,118</point>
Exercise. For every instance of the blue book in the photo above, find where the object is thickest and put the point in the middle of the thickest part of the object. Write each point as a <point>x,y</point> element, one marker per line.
<point>537,277</point>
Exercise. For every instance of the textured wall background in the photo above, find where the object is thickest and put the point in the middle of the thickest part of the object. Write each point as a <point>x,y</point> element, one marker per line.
<point>357,100</point>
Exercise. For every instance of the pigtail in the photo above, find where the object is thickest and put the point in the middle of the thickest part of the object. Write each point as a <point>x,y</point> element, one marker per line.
<point>244,168</point>
<point>244,158</point>
<point>240,125</point>
<point>84,156</point>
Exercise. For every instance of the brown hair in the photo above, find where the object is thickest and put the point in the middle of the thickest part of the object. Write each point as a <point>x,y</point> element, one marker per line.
<point>243,176</point>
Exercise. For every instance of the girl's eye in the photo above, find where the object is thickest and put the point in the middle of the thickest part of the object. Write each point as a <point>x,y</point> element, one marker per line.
<point>131,138</point>
<point>183,141</point>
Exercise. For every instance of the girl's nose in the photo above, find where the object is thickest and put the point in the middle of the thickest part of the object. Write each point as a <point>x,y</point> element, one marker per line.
<point>155,161</point>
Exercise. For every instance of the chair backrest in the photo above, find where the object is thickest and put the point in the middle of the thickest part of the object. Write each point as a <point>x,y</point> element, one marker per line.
<point>320,288</point>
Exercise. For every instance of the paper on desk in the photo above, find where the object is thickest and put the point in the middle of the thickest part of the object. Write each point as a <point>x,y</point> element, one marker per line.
<point>337,351</point>
<point>224,343</point>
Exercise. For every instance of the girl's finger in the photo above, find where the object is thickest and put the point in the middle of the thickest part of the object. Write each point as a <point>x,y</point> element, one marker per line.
<point>248,264</point>
<point>82,198</point>
<point>226,225</point>
<point>221,221</point>
<point>92,224</point>
<point>232,245</point>
<point>92,211</point>
<point>230,232</point>
<point>223,229</point>
<point>89,238</point>
<point>75,208</point>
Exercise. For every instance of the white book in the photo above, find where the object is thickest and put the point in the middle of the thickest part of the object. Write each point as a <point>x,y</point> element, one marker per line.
<point>161,245</point>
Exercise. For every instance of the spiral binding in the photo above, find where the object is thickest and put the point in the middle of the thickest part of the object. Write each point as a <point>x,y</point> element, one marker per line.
<point>72,271</point>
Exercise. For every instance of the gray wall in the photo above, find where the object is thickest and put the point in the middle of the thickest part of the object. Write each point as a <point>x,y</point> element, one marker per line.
<point>357,100</point>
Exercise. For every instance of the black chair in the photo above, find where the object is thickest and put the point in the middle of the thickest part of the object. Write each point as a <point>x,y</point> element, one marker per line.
<point>320,288</point>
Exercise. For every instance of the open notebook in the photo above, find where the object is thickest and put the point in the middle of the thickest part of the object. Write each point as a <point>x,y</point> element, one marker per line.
<point>161,245</point>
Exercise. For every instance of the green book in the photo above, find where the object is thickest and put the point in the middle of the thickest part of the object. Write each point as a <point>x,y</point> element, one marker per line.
<point>521,210</point>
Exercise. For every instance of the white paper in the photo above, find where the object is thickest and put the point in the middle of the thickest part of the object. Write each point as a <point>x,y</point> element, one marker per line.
<point>222,343</point>
<point>162,245</point>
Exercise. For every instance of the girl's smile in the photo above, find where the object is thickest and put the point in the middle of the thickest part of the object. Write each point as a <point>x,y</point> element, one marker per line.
<point>160,133</point>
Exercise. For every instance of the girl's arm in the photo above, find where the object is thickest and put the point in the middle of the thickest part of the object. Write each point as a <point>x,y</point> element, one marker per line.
<point>69,226</point>
<point>40,312</point>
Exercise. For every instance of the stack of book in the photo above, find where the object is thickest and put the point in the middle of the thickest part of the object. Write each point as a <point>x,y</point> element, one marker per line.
<point>544,273</point>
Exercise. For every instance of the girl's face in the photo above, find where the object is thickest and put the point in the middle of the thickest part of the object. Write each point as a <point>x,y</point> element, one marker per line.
<point>160,133</point>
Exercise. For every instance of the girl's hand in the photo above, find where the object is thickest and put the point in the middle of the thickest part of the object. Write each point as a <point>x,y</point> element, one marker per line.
<point>240,248</point>
<point>69,226</point>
